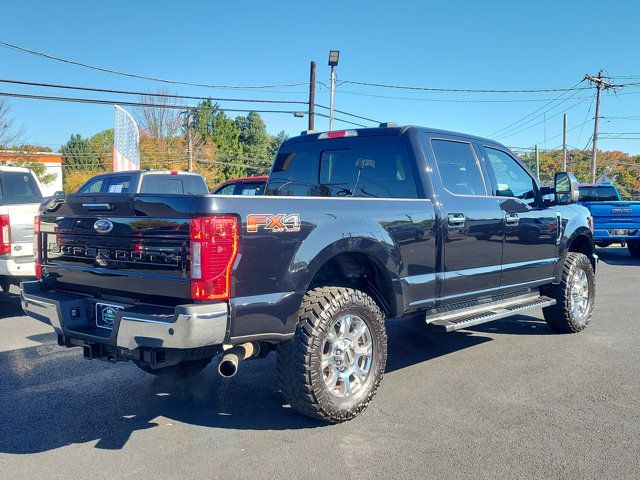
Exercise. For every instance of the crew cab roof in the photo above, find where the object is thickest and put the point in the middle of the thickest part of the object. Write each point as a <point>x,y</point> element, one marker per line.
<point>391,131</point>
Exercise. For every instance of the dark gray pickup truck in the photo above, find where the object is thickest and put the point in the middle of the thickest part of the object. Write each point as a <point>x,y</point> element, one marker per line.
<point>356,226</point>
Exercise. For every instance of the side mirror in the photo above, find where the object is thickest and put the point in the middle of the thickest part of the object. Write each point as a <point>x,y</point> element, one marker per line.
<point>566,187</point>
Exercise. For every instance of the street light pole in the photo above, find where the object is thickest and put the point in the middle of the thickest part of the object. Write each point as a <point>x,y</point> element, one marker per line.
<point>334,56</point>
<point>333,90</point>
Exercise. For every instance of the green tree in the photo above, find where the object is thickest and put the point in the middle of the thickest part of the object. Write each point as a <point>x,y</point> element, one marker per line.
<point>275,143</point>
<point>256,141</point>
<point>102,143</point>
<point>211,126</point>
<point>77,154</point>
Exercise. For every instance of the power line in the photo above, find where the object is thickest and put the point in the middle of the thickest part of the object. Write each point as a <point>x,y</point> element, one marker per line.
<point>175,96</point>
<point>146,94</point>
<point>511,133</point>
<point>154,105</point>
<point>143,77</point>
<point>568,130</point>
<point>466,90</point>
<point>515,125</point>
<point>449,100</point>
<point>586,117</point>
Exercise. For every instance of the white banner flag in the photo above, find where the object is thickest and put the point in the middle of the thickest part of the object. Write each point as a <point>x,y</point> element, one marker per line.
<point>126,138</point>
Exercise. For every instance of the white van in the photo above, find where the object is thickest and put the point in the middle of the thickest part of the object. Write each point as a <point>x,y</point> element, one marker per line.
<point>20,197</point>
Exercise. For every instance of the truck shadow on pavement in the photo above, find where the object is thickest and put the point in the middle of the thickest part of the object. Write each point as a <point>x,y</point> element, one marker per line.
<point>617,256</point>
<point>51,397</point>
<point>10,305</point>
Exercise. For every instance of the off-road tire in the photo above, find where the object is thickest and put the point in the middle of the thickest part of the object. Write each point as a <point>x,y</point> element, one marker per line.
<point>184,369</point>
<point>634,249</point>
<point>560,317</point>
<point>299,359</point>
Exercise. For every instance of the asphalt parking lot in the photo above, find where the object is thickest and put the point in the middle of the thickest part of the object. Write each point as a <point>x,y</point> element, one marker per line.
<point>503,400</point>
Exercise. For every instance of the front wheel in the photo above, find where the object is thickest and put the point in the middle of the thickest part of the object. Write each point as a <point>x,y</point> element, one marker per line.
<point>332,367</point>
<point>574,295</point>
<point>184,369</point>
<point>634,249</point>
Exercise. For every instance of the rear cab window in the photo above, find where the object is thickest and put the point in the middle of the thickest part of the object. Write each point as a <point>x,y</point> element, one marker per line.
<point>18,188</point>
<point>173,184</point>
<point>367,166</point>
<point>598,193</point>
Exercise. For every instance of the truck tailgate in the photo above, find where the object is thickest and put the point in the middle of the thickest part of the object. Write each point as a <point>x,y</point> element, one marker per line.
<point>111,242</point>
<point>627,213</point>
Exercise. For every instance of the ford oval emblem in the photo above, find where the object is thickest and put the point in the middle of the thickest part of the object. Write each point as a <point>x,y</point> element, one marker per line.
<point>103,226</point>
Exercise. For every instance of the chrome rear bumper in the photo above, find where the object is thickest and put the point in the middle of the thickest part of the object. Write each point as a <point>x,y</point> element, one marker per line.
<point>181,327</point>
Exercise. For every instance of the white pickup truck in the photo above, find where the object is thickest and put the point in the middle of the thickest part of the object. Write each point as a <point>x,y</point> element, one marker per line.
<point>20,197</point>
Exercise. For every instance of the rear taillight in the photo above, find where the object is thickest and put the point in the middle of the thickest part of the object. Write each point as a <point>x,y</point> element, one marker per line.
<point>590,222</point>
<point>5,235</point>
<point>214,247</point>
<point>37,258</point>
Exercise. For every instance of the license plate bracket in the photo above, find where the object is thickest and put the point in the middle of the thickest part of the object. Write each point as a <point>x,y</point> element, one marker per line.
<point>106,314</point>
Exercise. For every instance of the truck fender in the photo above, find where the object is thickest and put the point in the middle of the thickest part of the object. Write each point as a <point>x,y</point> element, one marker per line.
<point>326,242</point>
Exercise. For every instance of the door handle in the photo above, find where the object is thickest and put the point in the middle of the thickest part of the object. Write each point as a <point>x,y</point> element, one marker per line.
<point>456,220</point>
<point>511,219</point>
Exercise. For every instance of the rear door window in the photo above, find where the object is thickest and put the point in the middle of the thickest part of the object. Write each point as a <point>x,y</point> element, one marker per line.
<point>109,184</point>
<point>119,184</point>
<point>252,188</point>
<point>18,188</point>
<point>458,167</point>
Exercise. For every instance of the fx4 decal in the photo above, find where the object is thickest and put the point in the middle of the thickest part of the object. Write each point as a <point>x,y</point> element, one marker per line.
<point>275,222</point>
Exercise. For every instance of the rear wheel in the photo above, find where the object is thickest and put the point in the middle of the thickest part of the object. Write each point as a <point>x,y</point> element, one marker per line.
<point>634,249</point>
<point>5,285</point>
<point>331,369</point>
<point>184,369</point>
<point>575,296</point>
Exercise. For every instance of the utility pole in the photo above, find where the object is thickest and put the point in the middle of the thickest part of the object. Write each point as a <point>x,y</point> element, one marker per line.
<point>312,96</point>
<point>190,146</point>
<point>537,163</point>
<point>600,85</point>
<point>564,142</point>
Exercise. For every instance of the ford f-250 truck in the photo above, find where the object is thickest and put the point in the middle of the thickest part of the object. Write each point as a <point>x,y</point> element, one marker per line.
<point>356,226</point>
<point>614,220</point>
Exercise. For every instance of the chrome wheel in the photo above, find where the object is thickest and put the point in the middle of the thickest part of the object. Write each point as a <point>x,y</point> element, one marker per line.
<point>347,352</point>
<point>579,294</point>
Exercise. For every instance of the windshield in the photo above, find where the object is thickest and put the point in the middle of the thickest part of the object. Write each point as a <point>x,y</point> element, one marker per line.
<point>18,188</point>
<point>598,194</point>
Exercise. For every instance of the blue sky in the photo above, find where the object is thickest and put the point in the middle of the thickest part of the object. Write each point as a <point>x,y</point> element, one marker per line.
<point>452,44</point>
